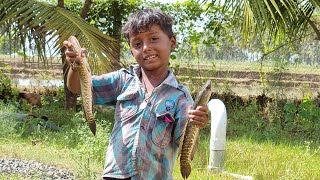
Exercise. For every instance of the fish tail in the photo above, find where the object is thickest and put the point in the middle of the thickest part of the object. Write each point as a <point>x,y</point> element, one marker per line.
<point>185,169</point>
<point>92,127</point>
<point>91,122</point>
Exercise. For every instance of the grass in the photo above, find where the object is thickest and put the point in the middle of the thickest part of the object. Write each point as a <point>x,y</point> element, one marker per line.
<point>268,160</point>
<point>244,156</point>
<point>254,148</point>
<point>260,160</point>
<point>256,154</point>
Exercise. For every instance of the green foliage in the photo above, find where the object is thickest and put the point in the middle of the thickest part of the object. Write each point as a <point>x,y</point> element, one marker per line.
<point>263,79</point>
<point>243,120</point>
<point>248,132</point>
<point>5,82</point>
<point>7,93</point>
<point>276,85</point>
<point>28,126</point>
<point>280,20</point>
<point>303,118</point>
<point>7,123</point>
<point>109,15</point>
<point>74,6</point>
<point>278,120</point>
<point>88,151</point>
<point>39,21</point>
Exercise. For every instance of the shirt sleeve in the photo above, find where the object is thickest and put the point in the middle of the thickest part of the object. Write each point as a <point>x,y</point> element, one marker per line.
<point>106,88</point>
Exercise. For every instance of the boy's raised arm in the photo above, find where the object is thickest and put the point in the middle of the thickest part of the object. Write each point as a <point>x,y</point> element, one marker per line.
<point>73,78</point>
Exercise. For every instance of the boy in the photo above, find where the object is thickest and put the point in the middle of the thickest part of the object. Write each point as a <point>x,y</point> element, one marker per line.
<point>151,108</point>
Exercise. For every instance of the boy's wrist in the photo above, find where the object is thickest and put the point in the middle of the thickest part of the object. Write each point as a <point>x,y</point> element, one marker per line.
<point>74,66</point>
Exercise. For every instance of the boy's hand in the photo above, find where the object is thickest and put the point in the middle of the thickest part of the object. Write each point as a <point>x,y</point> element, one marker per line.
<point>72,56</point>
<point>199,116</point>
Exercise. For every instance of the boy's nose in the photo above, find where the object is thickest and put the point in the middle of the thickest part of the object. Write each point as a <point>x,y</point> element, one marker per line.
<point>146,46</point>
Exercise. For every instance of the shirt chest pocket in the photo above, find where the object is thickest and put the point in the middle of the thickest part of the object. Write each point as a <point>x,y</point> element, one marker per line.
<point>127,104</point>
<point>162,131</point>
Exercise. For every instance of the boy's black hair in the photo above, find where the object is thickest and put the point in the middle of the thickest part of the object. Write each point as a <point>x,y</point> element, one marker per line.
<point>142,20</point>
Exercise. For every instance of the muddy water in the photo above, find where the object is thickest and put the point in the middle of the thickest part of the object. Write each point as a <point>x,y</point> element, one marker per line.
<point>37,83</point>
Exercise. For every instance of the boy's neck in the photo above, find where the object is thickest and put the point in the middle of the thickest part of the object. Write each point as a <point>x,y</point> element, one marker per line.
<point>152,79</point>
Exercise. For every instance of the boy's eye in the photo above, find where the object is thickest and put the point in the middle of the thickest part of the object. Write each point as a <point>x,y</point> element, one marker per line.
<point>137,44</point>
<point>154,38</point>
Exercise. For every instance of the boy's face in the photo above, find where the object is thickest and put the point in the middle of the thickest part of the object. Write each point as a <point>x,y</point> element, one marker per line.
<point>152,48</point>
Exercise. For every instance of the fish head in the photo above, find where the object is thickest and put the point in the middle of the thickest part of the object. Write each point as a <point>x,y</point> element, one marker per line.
<point>204,94</point>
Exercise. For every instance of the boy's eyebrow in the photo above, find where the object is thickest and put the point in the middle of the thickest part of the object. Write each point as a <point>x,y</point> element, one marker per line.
<point>151,33</point>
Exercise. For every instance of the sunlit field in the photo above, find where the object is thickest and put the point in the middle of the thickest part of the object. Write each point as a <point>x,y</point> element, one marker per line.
<point>261,155</point>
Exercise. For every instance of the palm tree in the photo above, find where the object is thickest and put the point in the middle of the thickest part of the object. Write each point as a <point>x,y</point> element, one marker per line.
<point>57,24</point>
<point>281,20</point>
<point>41,22</point>
<point>272,23</point>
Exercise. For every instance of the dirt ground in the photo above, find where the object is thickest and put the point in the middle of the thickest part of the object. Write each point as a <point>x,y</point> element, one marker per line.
<point>242,83</point>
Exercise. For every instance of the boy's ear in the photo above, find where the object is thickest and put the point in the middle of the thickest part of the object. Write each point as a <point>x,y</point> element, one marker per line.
<point>173,42</point>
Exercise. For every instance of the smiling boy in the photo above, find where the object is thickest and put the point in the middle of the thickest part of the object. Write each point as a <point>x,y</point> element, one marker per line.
<point>151,107</point>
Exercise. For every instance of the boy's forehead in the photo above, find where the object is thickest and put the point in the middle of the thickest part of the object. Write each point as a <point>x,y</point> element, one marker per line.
<point>152,29</point>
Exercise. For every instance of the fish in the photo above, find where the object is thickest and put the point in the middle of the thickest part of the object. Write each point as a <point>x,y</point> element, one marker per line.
<point>85,84</point>
<point>191,133</point>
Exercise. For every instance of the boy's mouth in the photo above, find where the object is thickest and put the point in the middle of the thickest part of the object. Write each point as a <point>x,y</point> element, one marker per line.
<point>150,57</point>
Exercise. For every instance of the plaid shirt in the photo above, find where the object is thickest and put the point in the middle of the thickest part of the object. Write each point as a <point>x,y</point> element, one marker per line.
<point>146,134</point>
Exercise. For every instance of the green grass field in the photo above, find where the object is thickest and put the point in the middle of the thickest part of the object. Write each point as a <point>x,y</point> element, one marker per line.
<point>261,160</point>
<point>256,154</point>
<point>282,142</point>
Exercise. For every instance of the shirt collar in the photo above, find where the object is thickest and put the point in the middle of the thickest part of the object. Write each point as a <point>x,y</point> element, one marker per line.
<point>170,80</point>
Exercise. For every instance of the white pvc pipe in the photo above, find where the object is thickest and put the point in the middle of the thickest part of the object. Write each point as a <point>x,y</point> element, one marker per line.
<point>218,139</point>
<point>218,135</point>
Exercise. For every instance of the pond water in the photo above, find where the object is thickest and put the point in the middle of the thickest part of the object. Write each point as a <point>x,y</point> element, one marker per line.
<point>37,83</point>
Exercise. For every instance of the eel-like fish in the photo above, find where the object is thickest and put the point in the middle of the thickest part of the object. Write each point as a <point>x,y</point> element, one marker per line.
<point>85,84</point>
<point>191,134</point>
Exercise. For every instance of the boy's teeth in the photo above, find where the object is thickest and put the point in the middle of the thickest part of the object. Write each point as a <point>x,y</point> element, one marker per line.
<point>149,57</point>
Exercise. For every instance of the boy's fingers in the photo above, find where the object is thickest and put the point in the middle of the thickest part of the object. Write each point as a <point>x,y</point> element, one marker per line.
<point>200,111</point>
<point>202,108</point>
<point>69,46</point>
<point>198,123</point>
<point>66,43</point>
<point>84,52</point>
<point>199,116</point>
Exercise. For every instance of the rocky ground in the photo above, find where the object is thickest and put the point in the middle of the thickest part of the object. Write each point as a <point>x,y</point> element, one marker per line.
<point>32,169</point>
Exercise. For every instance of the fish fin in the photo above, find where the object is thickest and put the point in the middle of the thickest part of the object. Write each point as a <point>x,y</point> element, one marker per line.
<point>194,150</point>
<point>87,66</point>
<point>180,146</point>
<point>182,138</point>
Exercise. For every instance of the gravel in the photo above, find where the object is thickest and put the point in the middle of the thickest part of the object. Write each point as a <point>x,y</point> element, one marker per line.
<point>32,169</point>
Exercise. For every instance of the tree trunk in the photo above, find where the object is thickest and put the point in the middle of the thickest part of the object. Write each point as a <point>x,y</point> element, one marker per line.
<point>61,3</point>
<point>117,25</point>
<point>71,98</point>
<point>314,27</point>
<point>86,8</point>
